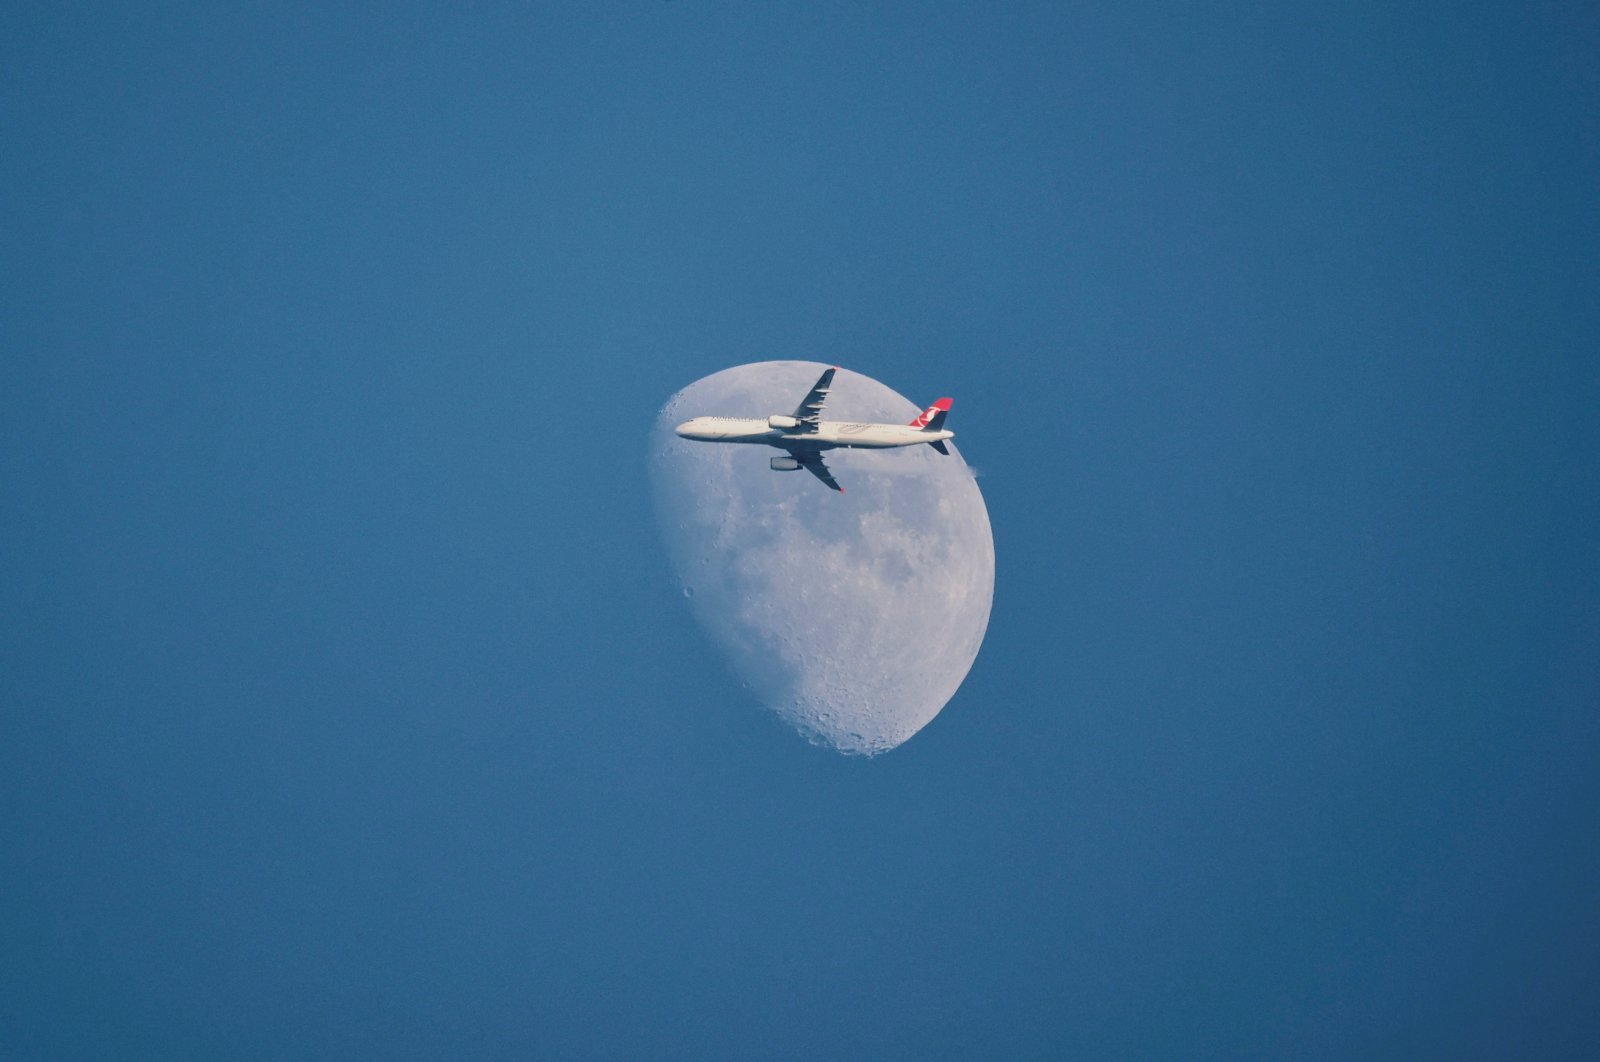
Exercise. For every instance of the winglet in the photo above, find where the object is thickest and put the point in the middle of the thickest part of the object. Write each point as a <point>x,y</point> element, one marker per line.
<point>932,418</point>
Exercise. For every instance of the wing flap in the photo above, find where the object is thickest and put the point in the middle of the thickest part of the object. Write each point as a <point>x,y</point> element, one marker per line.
<point>812,462</point>
<point>809,411</point>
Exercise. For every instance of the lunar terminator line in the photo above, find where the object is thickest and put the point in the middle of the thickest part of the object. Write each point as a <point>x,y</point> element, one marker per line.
<point>805,435</point>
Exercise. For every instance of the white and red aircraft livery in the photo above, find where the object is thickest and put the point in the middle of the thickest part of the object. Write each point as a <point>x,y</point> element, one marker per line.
<point>805,434</point>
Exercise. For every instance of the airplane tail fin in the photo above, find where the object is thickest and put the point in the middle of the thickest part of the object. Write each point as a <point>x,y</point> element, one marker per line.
<point>932,418</point>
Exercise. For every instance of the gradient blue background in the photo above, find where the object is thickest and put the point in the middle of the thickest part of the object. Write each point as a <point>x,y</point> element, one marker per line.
<point>346,707</point>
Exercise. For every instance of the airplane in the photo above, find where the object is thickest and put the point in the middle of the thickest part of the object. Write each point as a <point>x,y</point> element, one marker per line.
<point>805,434</point>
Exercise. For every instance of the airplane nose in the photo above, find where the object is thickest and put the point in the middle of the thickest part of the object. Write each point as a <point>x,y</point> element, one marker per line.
<point>683,430</point>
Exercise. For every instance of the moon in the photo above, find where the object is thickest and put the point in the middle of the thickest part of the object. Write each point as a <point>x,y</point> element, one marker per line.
<point>856,616</point>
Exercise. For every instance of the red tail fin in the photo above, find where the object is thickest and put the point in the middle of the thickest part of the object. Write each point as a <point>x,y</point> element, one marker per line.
<point>932,418</point>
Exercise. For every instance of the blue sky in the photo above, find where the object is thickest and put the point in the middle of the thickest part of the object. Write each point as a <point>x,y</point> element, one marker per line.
<point>348,708</point>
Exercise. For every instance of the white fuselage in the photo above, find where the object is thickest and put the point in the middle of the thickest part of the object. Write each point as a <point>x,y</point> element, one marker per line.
<point>830,434</point>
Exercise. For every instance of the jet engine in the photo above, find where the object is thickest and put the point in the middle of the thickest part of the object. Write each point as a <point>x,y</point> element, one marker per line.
<point>786,423</point>
<point>784,464</point>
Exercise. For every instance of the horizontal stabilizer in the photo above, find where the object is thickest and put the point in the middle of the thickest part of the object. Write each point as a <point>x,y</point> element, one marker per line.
<point>938,444</point>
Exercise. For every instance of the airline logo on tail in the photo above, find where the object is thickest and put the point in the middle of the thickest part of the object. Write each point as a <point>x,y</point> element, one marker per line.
<point>932,418</point>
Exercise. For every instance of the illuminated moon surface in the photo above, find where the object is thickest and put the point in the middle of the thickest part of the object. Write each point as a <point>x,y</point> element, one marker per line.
<point>854,616</point>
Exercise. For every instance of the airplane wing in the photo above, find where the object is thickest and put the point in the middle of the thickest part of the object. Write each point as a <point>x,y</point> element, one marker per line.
<point>809,412</point>
<point>811,461</point>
